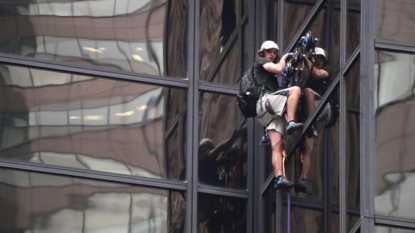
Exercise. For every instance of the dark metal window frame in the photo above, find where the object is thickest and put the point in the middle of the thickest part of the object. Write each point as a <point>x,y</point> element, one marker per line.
<point>256,186</point>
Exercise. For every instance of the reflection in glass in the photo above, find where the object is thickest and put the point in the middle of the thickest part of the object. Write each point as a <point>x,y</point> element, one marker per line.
<point>353,31</point>
<point>146,36</point>
<point>221,41</point>
<point>92,123</point>
<point>294,16</point>
<point>333,159</point>
<point>302,220</point>
<point>351,220</point>
<point>353,85</point>
<point>221,214</point>
<point>394,21</point>
<point>35,202</point>
<point>223,143</point>
<point>394,134</point>
<point>353,159</point>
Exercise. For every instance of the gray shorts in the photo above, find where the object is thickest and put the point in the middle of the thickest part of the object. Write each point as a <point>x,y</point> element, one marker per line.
<point>270,108</point>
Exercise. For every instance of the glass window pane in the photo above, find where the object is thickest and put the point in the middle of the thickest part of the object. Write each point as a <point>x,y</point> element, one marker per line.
<point>353,85</point>
<point>221,45</point>
<point>294,16</point>
<point>353,159</point>
<point>221,214</point>
<point>394,134</point>
<point>353,30</point>
<point>333,161</point>
<point>351,220</point>
<point>36,202</point>
<point>223,145</point>
<point>92,123</point>
<point>394,21</point>
<point>148,37</point>
<point>302,220</point>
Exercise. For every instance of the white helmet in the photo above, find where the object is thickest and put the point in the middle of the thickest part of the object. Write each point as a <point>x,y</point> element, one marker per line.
<point>269,44</point>
<point>320,51</point>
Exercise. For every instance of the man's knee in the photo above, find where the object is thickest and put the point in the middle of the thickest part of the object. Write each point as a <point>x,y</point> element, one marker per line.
<point>308,93</point>
<point>295,91</point>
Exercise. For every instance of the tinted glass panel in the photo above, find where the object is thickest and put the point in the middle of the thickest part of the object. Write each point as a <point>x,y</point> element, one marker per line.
<point>353,85</point>
<point>92,123</point>
<point>221,46</point>
<point>353,31</point>
<point>303,220</point>
<point>223,145</point>
<point>221,214</point>
<point>333,161</point>
<point>394,134</point>
<point>294,16</point>
<point>395,20</point>
<point>351,221</point>
<point>353,159</point>
<point>146,36</point>
<point>35,202</point>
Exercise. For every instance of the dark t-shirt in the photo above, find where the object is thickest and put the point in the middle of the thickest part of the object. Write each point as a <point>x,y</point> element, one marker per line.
<point>319,85</point>
<point>271,81</point>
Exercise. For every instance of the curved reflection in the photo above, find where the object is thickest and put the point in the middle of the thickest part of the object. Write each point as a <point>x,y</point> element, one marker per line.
<point>394,134</point>
<point>223,145</point>
<point>92,123</point>
<point>137,36</point>
<point>34,202</point>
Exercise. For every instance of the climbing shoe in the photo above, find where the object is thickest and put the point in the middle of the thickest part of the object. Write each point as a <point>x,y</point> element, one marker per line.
<point>282,183</point>
<point>292,126</point>
<point>301,186</point>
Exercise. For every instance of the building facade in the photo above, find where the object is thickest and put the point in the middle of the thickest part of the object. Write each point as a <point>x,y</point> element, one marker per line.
<point>121,116</point>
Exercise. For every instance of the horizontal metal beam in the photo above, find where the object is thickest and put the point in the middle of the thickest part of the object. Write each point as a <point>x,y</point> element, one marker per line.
<point>222,191</point>
<point>88,174</point>
<point>394,221</point>
<point>91,71</point>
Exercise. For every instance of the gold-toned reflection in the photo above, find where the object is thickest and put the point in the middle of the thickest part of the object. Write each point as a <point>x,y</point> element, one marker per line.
<point>394,134</point>
<point>393,19</point>
<point>92,123</point>
<point>221,214</point>
<point>146,36</point>
<point>223,144</point>
<point>34,202</point>
<point>221,44</point>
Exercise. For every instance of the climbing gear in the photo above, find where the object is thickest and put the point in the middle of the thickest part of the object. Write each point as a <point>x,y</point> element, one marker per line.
<point>249,93</point>
<point>281,182</point>
<point>301,186</point>
<point>293,126</point>
<point>295,60</point>
<point>264,140</point>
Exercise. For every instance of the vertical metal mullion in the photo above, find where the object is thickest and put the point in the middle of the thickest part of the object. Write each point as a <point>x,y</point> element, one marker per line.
<point>252,211</point>
<point>258,37</point>
<point>278,199</point>
<point>343,119</point>
<point>367,117</point>
<point>191,131</point>
<point>327,160</point>
<point>327,194</point>
<point>281,24</point>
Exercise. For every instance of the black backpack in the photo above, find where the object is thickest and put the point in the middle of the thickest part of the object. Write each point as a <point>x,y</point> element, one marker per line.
<point>249,93</point>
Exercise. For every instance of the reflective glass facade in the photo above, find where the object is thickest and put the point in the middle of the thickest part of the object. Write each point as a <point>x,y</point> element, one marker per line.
<point>121,116</point>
